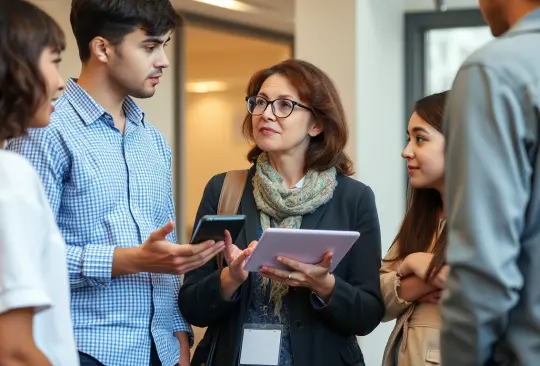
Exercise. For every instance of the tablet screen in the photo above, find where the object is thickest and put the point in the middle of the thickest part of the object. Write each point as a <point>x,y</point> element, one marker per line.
<point>306,246</point>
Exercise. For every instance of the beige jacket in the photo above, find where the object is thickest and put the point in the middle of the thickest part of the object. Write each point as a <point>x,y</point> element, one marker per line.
<point>419,322</point>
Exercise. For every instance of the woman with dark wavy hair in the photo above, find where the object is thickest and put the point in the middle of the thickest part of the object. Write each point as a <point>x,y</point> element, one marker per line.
<point>35,322</point>
<point>414,272</point>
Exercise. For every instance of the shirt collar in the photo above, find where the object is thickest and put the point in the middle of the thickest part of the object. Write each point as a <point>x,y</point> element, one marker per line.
<point>300,183</point>
<point>90,110</point>
<point>529,23</point>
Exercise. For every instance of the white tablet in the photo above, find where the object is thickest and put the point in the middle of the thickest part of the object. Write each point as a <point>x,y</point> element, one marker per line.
<point>306,246</point>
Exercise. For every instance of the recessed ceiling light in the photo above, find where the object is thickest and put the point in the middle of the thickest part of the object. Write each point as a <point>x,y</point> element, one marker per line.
<point>206,86</point>
<point>229,4</point>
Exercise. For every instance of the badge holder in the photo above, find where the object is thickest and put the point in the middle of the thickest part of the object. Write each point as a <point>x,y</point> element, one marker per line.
<point>261,344</point>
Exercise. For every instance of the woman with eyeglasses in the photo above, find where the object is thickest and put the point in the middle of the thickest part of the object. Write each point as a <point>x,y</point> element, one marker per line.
<point>300,179</point>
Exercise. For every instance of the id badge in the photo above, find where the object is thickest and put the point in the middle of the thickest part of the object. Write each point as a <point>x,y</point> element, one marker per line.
<point>261,344</point>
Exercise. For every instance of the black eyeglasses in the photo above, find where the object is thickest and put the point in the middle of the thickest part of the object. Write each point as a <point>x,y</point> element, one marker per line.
<point>282,108</point>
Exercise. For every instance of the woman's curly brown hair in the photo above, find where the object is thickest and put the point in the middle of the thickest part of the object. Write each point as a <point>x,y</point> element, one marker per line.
<point>25,32</point>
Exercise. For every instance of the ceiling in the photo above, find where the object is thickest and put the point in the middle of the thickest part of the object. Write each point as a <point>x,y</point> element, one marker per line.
<point>273,15</point>
<point>208,42</point>
<point>227,57</point>
<point>276,15</point>
<point>279,15</point>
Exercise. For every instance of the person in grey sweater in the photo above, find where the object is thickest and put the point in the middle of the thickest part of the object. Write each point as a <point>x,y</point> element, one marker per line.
<point>491,306</point>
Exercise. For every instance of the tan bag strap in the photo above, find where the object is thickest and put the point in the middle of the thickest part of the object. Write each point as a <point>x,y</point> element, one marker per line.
<point>231,192</point>
<point>230,197</point>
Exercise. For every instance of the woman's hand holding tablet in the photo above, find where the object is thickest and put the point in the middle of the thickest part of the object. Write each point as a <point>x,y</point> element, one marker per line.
<point>305,246</point>
<point>315,277</point>
<point>301,258</point>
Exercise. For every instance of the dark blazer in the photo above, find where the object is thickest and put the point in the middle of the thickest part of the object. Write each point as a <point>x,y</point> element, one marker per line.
<point>321,335</point>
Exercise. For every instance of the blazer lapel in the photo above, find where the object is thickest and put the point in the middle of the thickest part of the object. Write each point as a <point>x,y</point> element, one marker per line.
<point>249,208</point>
<point>312,220</point>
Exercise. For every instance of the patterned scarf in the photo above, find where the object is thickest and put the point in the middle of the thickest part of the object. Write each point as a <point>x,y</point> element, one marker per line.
<point>285,207</point>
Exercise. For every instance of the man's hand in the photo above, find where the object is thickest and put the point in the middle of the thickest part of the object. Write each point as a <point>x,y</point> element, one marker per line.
<point>157,255</point>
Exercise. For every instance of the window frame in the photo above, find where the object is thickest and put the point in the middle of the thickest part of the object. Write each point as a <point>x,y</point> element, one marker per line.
<point>417,24</point>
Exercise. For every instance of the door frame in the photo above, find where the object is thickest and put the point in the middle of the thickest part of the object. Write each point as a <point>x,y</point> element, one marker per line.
<point>191,19</point>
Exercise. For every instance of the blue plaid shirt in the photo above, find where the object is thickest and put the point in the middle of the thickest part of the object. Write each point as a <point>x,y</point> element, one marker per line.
<point>109,191</point>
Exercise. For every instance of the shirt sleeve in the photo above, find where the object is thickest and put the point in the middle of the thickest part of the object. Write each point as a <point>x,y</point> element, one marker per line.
<point>89,265</point>
<point>179,323</point>
<point>22,240</point>
<point>394,305</point>
<point>487,187</point>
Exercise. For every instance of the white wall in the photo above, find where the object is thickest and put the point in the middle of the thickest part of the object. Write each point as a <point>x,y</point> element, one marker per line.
<point>324,35</point>
<point>59,11</point>
<point>380,134</point>
<point>359,43</point>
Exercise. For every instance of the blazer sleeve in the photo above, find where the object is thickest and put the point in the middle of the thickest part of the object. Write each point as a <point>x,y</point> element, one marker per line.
<point>393,304</point>
<point>200,299</point>
<point>356,305</point>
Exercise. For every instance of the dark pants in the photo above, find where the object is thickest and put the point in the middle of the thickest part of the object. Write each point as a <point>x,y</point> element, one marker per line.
<point>87,360</point>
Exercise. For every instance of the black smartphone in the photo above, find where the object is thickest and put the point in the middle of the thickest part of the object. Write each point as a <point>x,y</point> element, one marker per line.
<point>212,227</point>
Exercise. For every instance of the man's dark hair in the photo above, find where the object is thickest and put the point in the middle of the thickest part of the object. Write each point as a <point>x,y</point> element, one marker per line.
<point>25,32</point>
<point>114,19</point>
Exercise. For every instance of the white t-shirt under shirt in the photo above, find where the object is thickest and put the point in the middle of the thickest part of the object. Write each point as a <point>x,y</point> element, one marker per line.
<point>33,269</point>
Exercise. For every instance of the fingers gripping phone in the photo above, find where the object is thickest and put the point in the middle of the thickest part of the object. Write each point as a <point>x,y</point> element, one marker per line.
<point>212,227</point>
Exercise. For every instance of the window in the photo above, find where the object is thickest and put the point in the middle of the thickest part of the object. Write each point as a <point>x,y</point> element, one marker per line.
<point>445,51</point>
<point>436,44</point>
